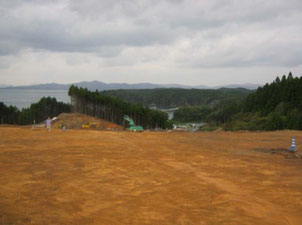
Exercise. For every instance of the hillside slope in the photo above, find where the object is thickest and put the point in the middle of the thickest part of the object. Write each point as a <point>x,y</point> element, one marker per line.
<point>87,177</point>
<point>175,97</point>
<point>76,120</point>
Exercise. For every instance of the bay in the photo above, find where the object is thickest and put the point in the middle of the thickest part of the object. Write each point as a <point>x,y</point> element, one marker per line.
<point>24,98</point>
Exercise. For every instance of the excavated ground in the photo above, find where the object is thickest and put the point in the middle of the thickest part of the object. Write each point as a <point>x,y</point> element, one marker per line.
<point>76,120</point>
<point>106,177</point>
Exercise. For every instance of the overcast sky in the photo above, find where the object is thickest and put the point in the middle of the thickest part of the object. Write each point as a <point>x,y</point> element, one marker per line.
<point>201,42</point>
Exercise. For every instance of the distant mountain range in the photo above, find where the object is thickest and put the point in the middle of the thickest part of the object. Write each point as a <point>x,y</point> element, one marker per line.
<point>101,86</point>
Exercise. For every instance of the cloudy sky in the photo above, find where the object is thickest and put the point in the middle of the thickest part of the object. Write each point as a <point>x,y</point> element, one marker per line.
<point>201,42</point>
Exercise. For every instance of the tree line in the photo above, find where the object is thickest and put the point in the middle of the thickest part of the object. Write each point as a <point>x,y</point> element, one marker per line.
<point>113,109</point>
<point>222,112</point>
<point>282,95</point>
<point>175,97</point>
<point>275,106</point>
<point>37,112</point>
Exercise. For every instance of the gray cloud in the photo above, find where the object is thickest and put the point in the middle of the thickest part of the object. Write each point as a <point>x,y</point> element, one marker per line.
<point>172,33</point>
<point>57,28</point>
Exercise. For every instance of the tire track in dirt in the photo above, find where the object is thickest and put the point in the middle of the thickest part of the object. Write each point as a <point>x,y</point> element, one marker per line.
<point>254,206</point>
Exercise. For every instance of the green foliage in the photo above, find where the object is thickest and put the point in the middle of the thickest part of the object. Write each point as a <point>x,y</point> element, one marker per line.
<point>209,127</point>
<point>175,97</point>
<point>224,111</point>
<point>192,113</point>
<point>113,109</point>
<point>275,121</point>
<point>204,100</point>
<point>274,106</point>
<point>281,95</point>
<point>279,104</point>
<point>37,112</point>
<point>8,114</point>
<point>294,120</point>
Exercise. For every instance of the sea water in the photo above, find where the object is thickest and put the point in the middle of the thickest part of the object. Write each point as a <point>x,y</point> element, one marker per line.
<point>24,98</point>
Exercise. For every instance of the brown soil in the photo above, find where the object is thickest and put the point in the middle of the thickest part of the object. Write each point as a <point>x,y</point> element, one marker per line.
<point>98,177</point>
<point>76,120</point>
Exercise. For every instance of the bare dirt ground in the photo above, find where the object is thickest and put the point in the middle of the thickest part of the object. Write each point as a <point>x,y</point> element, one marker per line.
<point>76,120</point>
<point>104,177</point>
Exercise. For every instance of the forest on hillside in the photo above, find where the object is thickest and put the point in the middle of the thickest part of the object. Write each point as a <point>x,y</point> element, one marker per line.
<point>86,102</point>
<point>275,106</point>
<point>113,109</point>
<point>175,97</point>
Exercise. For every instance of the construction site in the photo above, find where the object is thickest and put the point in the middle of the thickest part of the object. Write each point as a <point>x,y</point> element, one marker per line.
<point>95,172</point>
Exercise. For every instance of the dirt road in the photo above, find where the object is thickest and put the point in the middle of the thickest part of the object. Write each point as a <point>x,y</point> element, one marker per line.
<point>96,177</point>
